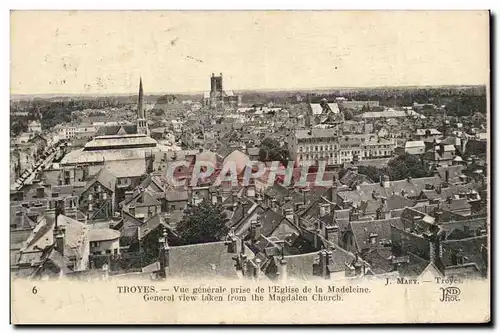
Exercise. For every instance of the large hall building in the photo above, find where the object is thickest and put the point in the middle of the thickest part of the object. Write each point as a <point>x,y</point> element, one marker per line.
<point>120,147</point>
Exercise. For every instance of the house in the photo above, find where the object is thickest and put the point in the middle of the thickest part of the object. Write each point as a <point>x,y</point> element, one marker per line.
<point>440,155</point>
<point>427,133</point>
<point>363,236</point>
<point>104,241</point>
<point>97,198</point>
<point>142,205</point>
<point>56,246</point>
<point>414,148</point>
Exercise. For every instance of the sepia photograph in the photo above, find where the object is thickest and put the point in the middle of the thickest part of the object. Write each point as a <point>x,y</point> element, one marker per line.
<point>249,167</point>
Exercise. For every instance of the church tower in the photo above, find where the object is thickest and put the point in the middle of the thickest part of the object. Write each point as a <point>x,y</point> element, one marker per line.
<point>142,124</point>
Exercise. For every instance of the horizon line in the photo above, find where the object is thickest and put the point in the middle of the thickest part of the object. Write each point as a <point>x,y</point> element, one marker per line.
<point>246,90</point>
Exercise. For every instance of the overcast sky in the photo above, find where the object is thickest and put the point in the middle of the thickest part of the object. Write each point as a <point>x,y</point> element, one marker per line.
<point>106,52</point>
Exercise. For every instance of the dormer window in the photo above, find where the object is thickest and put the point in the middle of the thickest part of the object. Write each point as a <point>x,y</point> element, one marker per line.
<point>373,238</point>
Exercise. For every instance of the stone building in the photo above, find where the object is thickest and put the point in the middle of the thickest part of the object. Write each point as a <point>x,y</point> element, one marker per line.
<point>218,98</point>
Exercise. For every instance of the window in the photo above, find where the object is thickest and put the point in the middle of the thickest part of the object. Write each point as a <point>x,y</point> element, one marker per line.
<point>116,251</point>
<point>108,251</point>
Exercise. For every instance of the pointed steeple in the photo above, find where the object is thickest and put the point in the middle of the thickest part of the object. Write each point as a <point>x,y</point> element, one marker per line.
<point>142,124</point>
<point>140,111</point>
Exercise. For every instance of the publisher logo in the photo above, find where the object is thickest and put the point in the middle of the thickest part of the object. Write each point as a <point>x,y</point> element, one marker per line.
<point>450,294</point>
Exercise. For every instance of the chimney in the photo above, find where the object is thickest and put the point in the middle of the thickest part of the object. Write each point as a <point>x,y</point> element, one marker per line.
<point>251,191</point>
<point>324,258</point>
<point>437,215</point>
<point>385,181</point>
<point>324,209</point>
<point>435,246</point>
<point>328,260</point>
<point>255,229</point>
<point>245,265</point>
<point>304,192</point>
<point>372,238</point>
<point>282,270</point>
<point>59,232</point>
<point>164,255</point>
<point>332,233</point>
<point>232,243</point>
<point>358,268</point>
<point>353,214</point>
<point>105,272</point>
<point>273,203</point>
<point>317,239</point>
<point>257,268</point>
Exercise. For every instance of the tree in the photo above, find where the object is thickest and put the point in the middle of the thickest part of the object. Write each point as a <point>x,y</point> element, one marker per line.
<point>157,112</point>
<point>405,166</point>
<point>372,172</point>
<point>271,150</point>
<point>348,115</point>
<point>203,223</point>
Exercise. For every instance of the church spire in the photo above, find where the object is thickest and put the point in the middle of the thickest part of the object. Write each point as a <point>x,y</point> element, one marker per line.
<point>142,124</point>
<point>140,110</point>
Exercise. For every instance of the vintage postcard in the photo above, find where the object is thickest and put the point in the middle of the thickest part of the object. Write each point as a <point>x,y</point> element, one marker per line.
<point>249,167</point>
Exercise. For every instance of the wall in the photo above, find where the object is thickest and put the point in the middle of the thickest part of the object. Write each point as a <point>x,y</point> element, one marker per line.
<point>111,245</point>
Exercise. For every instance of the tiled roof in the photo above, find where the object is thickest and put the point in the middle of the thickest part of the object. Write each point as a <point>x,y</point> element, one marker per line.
<point>114,128</point>
<point>103,234</point>
<point>131,168</point>
<point>301,266</point>
<point>105,178</point>
<point>270,221</point>
<point>208,260</point>
<point>379,259</point>
<point>382,228</point>
<point>471,248</point>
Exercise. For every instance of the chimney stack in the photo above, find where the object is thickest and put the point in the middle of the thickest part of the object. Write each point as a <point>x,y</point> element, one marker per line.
<point>385,181</point>
<point>317,239</point>
<point>289,215</point>
<point>105,272</point>
<point>332,233</point>
<point>255,229</point>
<point>324,209</point>
<point>257,268</point>
<point>283,271</point>
<point>251,191</point>
<point>59,232</point>
<point>324,258</point>
<point>164,255</point>
<point>245,265</point>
